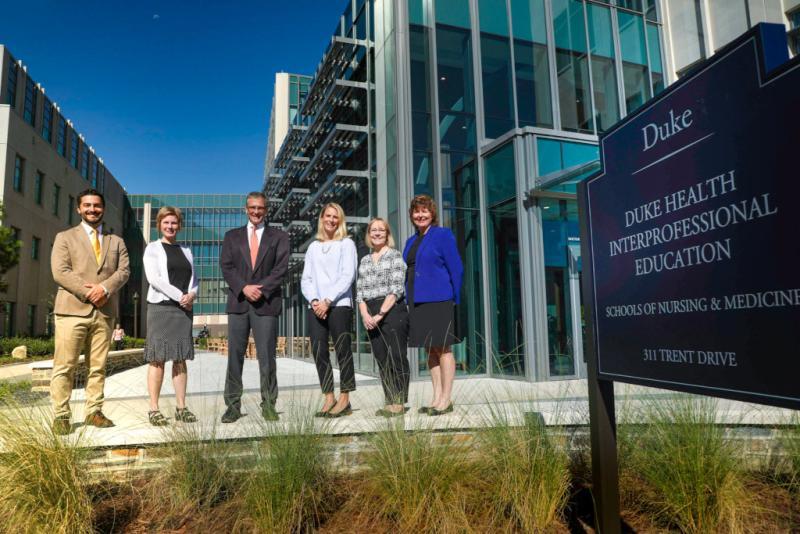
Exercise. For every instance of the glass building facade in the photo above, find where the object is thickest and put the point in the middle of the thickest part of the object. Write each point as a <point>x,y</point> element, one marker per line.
<point>493,107</point>
<point>206,218</point>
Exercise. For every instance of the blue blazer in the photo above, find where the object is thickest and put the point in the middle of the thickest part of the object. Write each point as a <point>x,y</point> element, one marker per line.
<point>438,271</point>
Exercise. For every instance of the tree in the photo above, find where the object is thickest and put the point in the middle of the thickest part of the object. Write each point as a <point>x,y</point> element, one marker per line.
<point>9,251</point>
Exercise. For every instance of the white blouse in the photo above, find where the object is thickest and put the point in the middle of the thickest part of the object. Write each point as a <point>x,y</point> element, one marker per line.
<point>329,271</point>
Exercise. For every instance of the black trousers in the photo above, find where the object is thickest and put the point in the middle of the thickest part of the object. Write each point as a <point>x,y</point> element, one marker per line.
<point>337,325</point>
<point>265,330</point>
<point>390,347</point>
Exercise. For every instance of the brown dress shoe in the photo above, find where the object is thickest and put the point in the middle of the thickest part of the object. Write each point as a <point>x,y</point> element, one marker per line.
<point>99,420</point>
<point>62,426</point>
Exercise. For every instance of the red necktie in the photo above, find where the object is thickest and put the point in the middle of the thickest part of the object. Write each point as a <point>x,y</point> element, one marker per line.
<point>253,248</point>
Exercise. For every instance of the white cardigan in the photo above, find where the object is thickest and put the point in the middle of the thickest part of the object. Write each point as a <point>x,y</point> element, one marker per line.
<point>155,268</point>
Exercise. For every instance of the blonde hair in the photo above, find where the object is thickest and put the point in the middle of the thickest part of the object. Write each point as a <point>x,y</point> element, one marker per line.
<point>166,211</point>
<point>389,238</point>
<point>341,230</point>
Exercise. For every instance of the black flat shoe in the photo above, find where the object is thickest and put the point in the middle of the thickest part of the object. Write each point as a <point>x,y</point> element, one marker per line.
<point>324,413</point>
<point>348,410</point>
<point>425,410</point>
<point>434,411</point>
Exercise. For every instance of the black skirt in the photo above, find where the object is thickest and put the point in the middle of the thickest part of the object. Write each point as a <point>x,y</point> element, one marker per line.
<point>432,325</point>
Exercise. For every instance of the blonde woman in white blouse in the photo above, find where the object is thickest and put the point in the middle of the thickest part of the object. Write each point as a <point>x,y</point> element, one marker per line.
<point>328,275</point>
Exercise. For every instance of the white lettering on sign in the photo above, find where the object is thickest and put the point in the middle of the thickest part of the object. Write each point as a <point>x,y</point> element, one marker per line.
<point>653,133</point>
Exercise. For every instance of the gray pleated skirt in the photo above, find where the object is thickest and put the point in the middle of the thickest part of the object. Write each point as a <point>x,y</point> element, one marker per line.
<point>169,334</point>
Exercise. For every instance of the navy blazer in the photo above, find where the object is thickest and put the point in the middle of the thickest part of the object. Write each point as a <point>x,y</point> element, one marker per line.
<point>438,271</point>
<point>272,263</point>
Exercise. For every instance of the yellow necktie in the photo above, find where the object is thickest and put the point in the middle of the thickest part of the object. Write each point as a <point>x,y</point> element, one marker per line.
<point>96,246</point>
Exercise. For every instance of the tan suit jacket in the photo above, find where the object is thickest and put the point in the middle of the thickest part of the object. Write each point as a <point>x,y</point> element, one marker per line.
<point>73,264</point>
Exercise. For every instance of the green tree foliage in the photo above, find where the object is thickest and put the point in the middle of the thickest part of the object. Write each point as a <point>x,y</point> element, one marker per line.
<point>9,251</point>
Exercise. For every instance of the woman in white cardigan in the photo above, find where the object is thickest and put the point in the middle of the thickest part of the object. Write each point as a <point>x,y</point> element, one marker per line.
<point>173,287</point>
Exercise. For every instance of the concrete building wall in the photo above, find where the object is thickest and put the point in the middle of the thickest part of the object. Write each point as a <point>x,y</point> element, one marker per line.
<point>31,282</point>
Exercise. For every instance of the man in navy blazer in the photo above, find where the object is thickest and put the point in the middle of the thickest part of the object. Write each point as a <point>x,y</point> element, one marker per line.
<point>254,260</point>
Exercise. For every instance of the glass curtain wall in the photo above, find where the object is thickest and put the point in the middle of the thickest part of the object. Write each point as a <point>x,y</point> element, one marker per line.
<point>531,63</point>
<point>459,178</point>
<point>419,37</point>
<point>508,341</point>
<point>572,66</point>
<point>635,71</point>
<point>604,68</point>
<point>496,71</point>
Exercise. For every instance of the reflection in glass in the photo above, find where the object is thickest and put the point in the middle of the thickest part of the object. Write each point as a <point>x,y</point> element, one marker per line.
<point>531,63</point>
<point>654,48</point>
<point>572,66</point>
<point>498,96</point>
<point>508,348</point>
<point>559,223</point>
<point>604,75</point>
<point>634,60</point>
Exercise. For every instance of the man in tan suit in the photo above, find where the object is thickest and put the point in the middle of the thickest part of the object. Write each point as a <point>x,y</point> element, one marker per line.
<point>90,267</point>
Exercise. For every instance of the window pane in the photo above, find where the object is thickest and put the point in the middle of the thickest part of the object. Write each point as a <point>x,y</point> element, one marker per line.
<point>634,60</point>
<point>500,176</point>
<point>572,66</point>
<point>453,13</point>
<point>654,46</point>
<point>531,63</point>
<point>498,97</point>
<point>604,74</point>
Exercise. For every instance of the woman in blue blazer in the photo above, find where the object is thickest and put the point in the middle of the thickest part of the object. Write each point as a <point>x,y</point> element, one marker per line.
<point>433,289</point>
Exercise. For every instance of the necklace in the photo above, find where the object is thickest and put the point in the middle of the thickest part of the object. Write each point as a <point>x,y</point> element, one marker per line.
<point>327,249</point>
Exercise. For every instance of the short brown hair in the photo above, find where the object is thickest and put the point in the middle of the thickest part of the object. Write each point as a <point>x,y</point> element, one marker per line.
<point>166,211</point>
<point>389,239</point>
<point>424,202</point>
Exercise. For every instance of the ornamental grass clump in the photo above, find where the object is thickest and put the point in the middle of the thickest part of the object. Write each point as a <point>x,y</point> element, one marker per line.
<point>290,484</point>
<point>416,481</point>
<point>199,475</point>
<point>525,474</point>
<point>790,441</point>
<point>41,478</point>
<point>692,475</point>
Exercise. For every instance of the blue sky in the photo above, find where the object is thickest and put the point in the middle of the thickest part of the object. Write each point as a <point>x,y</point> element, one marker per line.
<point>173,95</point>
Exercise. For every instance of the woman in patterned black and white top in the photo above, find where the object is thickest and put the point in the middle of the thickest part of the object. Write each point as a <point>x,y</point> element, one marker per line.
<point>381,277</point>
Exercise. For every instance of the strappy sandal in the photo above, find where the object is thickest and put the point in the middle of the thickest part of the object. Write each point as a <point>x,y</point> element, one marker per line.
<point>157,418</point>
<point>184,415</point>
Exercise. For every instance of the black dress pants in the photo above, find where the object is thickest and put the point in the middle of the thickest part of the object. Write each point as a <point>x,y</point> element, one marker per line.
<point>337,325</point>
<point>265,329</point>
<point>390,348</point>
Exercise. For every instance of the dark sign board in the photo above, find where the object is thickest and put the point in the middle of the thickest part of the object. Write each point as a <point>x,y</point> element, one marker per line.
<point>693,231</point>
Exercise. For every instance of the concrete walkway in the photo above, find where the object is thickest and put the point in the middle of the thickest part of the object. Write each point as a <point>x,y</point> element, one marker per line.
<point>479,401</point>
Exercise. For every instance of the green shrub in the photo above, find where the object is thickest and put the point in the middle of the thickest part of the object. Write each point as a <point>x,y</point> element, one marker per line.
<point>133,342</point>
<point>526,475</point>
<point>41,478</point>
<point>693,472</point>
<point>8,389</point>
<point>36,346</point>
